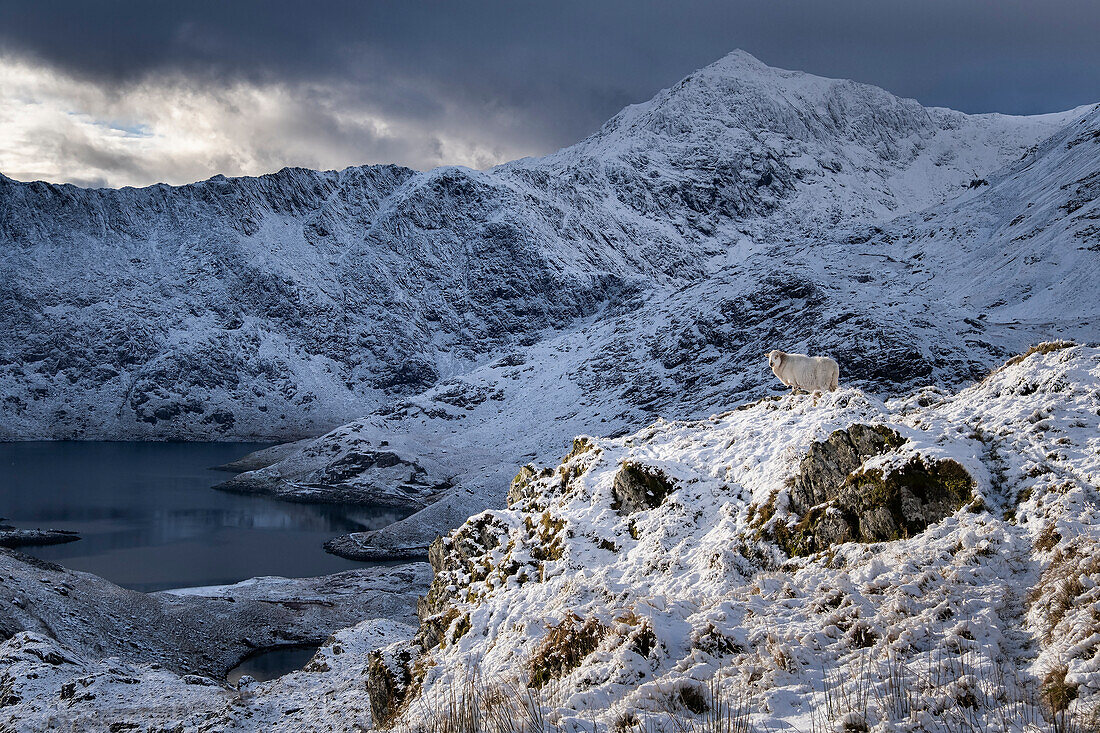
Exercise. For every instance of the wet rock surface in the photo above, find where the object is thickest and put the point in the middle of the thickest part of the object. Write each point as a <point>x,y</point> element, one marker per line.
<point>13,537</point>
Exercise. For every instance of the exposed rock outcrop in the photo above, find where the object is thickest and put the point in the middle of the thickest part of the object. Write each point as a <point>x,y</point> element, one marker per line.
<point>359,475</point>
<point>389,681</point>
<point>637,487</point>
<point>829,462</point>
<point>12,537</point>
<point>840,500</point>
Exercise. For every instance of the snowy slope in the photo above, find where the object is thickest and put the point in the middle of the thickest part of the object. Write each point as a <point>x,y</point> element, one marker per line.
<point>932,297</point>
<point>284,305</point>
<point>633,619</point>
<point>947,629</point>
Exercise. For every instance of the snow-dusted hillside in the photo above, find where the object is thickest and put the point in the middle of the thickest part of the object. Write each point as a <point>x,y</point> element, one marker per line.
<point>937,296</point>
<point>647,572</point>
<point>647,577</point>
<point>285,305</point>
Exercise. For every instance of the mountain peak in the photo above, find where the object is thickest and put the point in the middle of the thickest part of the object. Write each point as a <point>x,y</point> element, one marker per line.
<point>741,62</point>
<point>846,145</point>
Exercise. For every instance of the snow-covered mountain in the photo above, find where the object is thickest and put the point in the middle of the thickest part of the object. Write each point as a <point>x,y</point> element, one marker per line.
<point>936,295</point>
<point>647,267</point>
<point>906,553</point>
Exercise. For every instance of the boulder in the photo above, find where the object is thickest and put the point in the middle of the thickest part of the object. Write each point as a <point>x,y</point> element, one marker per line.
<point>841,501</point>
<point>637,487</point>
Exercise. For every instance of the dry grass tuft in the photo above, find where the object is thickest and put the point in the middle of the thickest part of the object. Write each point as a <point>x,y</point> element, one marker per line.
<point>478,706</point>
<point>564,648</point>
<point>1057,693</point>
<point>1061,584</point>
<point>1046,347</point>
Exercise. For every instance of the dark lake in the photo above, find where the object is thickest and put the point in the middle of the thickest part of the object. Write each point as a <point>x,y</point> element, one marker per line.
<point>149,520</point>
<point>271,663</point>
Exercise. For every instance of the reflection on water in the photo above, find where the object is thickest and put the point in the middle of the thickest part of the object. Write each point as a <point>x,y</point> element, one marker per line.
<point>149,520</point>
<point>271,663</point>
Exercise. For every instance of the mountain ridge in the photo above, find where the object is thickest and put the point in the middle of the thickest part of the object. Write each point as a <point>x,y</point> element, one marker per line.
<point>283,305</point>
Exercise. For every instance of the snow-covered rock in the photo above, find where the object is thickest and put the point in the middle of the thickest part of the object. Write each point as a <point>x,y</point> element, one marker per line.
<point>46,687</point>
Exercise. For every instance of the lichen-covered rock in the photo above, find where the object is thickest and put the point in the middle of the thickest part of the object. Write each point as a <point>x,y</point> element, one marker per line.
<point>900,502</point>
<point>533,486</point>
<point>389,681</point>
<point>465,551</point>
<point>829,462</point>
<point>841,501</point>
<point>637,487</point>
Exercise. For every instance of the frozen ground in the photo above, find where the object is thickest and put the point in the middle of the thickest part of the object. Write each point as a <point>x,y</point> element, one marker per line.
<point>90,635</point>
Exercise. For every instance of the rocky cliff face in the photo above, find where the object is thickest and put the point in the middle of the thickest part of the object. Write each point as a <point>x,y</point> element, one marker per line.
<point>287,304</point>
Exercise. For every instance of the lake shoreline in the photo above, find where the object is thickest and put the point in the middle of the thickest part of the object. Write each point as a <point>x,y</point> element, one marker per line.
<point>148,519</point>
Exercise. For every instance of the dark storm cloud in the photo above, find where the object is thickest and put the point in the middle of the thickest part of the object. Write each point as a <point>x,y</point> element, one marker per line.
<point>531,77</point>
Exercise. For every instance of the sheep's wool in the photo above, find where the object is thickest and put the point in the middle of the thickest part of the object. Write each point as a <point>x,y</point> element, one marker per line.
<point>809,373</point>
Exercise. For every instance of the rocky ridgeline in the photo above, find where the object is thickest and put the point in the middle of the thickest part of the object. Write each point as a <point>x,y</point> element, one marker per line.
<point>286,304</point>
<point>838,499</point>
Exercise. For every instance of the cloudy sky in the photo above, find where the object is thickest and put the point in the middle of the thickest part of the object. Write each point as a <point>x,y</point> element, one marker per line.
<point>131,93</point>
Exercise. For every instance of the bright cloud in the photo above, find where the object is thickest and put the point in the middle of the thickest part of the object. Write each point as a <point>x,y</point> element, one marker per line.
<point>59,128</point>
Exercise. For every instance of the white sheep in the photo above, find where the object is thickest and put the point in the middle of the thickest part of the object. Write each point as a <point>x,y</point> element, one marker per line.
<point>809,373</point>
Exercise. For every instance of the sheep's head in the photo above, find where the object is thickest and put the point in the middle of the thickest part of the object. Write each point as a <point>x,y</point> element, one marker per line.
<point>775,358</point>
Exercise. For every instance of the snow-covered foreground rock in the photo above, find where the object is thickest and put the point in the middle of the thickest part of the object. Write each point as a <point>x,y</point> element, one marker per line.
<point>645,572</point>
